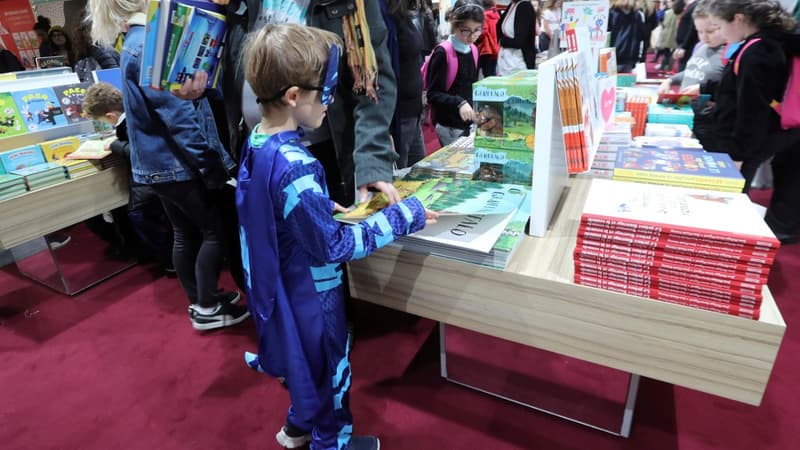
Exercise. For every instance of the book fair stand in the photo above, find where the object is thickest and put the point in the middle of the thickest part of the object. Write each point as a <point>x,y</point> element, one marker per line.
<point>535,301</point>
<point>70,194</point>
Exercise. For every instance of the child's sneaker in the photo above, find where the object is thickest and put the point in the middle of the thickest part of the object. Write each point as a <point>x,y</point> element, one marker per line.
<point>231,297</point>
<point>364,443</point>
<point>223,315</point>
<point>292,437</point>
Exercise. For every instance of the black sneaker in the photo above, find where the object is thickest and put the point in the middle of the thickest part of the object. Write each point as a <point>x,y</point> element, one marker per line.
<point>224,315</point>
<point>292,437</point>
<point>364,443</point>
<point>231,297</point>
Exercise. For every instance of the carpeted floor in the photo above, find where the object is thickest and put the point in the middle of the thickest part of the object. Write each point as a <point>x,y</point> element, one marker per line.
<point>119,366</point>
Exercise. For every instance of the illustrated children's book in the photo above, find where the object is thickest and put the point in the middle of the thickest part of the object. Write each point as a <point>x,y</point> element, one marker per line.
<point>506,109</point>
<point>59,149</point>
<point>10,120</point>
<point>92,149</point>
<point>71,99</point>
<point>200,48</point>
<point>20,158</point>
<point>39,108</point>
<point>504,165</point>
<point>679,167</point>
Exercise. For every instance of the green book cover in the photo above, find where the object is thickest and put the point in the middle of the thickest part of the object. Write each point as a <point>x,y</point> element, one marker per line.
<point>504,165</point>
<point>449,161</point>
<point>10,120</point>
<point>506,111</point>
<point>180,17</point>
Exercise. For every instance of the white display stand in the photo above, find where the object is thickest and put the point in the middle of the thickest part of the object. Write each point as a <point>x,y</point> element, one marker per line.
<point>549,157</point>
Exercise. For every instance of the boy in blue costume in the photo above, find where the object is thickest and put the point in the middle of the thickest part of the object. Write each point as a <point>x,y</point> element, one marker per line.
<point>291,245</point>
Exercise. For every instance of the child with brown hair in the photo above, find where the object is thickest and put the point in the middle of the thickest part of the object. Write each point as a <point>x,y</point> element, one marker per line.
<point>292,247</point>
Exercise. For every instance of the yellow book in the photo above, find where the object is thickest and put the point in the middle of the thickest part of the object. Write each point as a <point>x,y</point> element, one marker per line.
<point>59,149</point>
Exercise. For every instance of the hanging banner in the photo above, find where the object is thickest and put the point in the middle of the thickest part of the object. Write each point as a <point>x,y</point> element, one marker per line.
<point>16,31</point>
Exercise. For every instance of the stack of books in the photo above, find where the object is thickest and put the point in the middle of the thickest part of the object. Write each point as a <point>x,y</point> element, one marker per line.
<point>616,136</point>
<point>704,249</point>
<point>456,160</point>
<point>671,114</point>
<point>11,186</point>
<point>666,142</point>
<point>41,175</point>
<point>637,106</point>
<point>667,130</point>
<point>686,167</point>
<point>182,37</point>
<point>77,168</point>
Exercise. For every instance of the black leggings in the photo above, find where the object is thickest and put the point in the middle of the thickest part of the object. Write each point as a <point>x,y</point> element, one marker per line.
<point>197,249</point>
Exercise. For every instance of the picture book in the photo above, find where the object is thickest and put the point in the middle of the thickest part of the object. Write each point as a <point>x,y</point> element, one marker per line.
<point>456,160</point>
<point>201,46</point>
<point>47,62</point>
<point>506,111</point>
<point>92,149</point>
<point>504,165</point>
<point>59,149</point>
<point>19,158</point>
<point>150,39</point>
<point>39,108</point>
<point>678,166</point>
<point>448,196</point>
<point>71,99</point>
<point>110,76</point>
<point>680,209</point>
<point>471,232</point>
<point>11,123</point>
<point>180,14</point>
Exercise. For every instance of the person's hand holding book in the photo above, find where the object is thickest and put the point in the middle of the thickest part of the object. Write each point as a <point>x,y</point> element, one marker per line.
<point>194,87</point>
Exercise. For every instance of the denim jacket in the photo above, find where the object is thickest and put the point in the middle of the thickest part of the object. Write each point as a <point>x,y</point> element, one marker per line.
<point>171,139</point>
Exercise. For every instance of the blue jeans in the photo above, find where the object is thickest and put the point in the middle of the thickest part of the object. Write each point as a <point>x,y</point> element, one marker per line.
<point>197,248</point>
<point>412,144</point>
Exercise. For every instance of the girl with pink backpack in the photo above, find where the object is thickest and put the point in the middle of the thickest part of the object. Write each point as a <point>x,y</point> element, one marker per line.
<point>451,69</point>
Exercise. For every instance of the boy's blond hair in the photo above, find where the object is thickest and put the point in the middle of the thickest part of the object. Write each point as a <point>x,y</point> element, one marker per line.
<point>281,56</point>
<point>102,98</point>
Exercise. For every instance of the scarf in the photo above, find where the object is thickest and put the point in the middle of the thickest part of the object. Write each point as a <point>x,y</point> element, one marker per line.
<point>360,55</point>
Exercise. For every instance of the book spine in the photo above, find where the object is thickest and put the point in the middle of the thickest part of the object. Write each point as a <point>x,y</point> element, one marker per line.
<point>669,297</point>
<point>720,291</point>
<point>689,268</point>
<point>746,259</point>
<point>690,234</point>
<point>734,190</point>
<point>180,15</point>
<point>680,178</point>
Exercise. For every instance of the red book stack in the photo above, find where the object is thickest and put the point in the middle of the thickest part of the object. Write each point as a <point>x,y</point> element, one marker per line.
<point>705,249</point>
<point>637,106</point>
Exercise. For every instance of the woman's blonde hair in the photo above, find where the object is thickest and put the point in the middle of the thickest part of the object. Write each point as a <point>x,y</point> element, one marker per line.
<point>108,17</point>
<point>280,56</point>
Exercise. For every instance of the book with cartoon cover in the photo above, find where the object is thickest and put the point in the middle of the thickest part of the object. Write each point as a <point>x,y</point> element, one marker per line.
<point>11,123</point>
<point>39,108</point>
<point>678,167</point>
<point>200,48</point>
<point>71,99</point>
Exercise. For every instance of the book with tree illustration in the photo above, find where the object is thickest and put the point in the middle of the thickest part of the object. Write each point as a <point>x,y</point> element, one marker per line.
<point>506,111</point>
<point>449,197</point>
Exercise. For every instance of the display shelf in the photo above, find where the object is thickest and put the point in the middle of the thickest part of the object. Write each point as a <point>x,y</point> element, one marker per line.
<point>534,302</point>
<point>54,207</point>
<point>37,137</point>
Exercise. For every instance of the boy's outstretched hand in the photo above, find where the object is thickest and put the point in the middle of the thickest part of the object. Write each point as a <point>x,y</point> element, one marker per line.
<point>194,87</point>
<point>431,217</point>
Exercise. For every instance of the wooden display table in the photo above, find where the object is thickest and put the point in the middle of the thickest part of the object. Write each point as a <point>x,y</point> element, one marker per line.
<point>534,302</point>
<point>80,264</point>
<point>52,208</point>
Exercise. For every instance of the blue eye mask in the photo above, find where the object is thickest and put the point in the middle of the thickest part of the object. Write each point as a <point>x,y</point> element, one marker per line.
<point>329,81</point>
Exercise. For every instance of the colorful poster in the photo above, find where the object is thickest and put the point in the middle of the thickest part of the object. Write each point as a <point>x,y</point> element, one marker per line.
<point>590,14</point>
<point>16,31</point>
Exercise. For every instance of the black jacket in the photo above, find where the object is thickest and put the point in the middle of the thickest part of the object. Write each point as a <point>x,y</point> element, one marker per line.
<point>9,62</point>
<point>744,124</point>
<point>524,32</point>
<point>409,90</point>
<point>686,35</point>
<point>627,35</point>
<point>138,194</point>
<point>445,102</point>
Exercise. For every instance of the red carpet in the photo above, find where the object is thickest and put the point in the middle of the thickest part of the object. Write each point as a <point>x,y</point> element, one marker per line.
<point>119,367</point>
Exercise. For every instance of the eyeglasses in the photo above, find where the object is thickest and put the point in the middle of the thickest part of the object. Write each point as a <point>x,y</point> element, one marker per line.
<point>466,32</point>
<point>329,81</point>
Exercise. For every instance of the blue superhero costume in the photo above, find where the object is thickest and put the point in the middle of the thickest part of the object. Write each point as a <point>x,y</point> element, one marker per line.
<point>291,252</point>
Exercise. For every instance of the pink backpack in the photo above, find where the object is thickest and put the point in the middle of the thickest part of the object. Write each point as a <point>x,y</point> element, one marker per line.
<point>452,63</point>
<point>789,107</point>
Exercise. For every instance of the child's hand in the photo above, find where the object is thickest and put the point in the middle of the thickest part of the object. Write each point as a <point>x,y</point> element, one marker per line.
<point>194,87</point>
<point>665,86</point>
<point>466,113</point>
<point>691,90</point>
<point>431,217</point>
<point>382,186</point>
<point>337,208</point>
